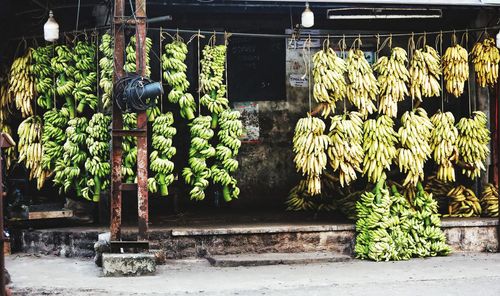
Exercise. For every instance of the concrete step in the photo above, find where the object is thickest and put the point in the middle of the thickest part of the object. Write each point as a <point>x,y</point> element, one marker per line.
<point>128,264</point>
<point>275,258</point>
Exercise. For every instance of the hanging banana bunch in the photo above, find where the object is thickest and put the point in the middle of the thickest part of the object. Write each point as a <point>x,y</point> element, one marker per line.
<point>174,66</point>
<point>379,146</point>
<point>53,137</point>
<point>392,80</point>
<point>485,56</point>
<point>22,83</point>
<point>5,101</point>
<point>163,151</point>
<point>362,89</point>
<point>443,144</point>
<point>63,66</point>
<point>8,153</point>
<point>455,69</point>
<point>414,136</point>
<point>106,65</point>
<point>43,73</point>
<point>30,148</point>
<point>329,81</point>
<point>299,200</point>
<point>346,151</point>
<point>463,202</point>
<point>85,76</point>
<point>473,143</point>
<point>425,73</point>
<point>129,148</point>
<point>198,173</point>
<point>489,200</point>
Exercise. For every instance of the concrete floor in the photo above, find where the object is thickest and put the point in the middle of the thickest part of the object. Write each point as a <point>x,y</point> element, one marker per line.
<point>459,274</point>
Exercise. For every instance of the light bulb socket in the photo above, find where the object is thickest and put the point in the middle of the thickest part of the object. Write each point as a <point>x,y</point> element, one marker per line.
<point>51,29</point>
<point>307,19</point>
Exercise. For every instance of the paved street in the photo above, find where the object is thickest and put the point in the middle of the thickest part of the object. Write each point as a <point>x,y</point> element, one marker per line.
<point>459,274</point>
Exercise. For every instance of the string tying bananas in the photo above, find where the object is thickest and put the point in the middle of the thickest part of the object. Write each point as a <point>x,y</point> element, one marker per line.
<point>22,83</point>
<point>362,89</point>
<point>85,75</point>
<point>106,65</point>
<point>163,151</point>
<point>30,148</point>
<point>485,56</point>
<point>53,138</point>
<point>392,80</point>
<point>63,66</point>
<point>346,151</point>
<point>174,66</point>
<point>43,72</point>
<point>129,148</point>
<point>463,202</point>
<point>425,73</point>
<point>455,69</point>
<point>299,200</point>
<point>489,200</point>
<point>443,144</point>
<point>473,143</point>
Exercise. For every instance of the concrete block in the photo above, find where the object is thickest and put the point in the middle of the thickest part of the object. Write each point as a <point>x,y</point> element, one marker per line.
<point>128,264</point>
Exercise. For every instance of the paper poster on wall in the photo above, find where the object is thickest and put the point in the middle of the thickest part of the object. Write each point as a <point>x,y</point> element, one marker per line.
<point>298,80</point>
<point>250,118</point>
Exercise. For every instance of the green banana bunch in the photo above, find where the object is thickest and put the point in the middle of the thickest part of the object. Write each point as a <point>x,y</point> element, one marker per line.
<point>489,200</point>
<point>345,152</point>
<point>463,202</point>
<point>425,73</point>
<point>163,151</point>
<point>106,65</point>
<point>379,146</point>
<point>85,76</point>
<point>98,163</point>
<point>63,66</point>
<point>42,70</point>
<point>174,67</point>
<point>30,148</point>
<point>392,80</point>
<point>53,138</point>
<point>485,56</point>
<point>22,83</point>
<point>362,88</point>
<point>443,144</point>
<point>299,200</point>
<point>129,148</point>
<point>329,82</point>
<point>473,143</point>
<point>198,173</point>
<point>414,136</point>
<point>455,69</point>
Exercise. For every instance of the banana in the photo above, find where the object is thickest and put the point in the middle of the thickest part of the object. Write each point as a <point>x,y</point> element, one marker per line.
<point>444,144</point>
<point>85,76</point>
<point>425,73</point>
<point>362,88</point>
<point>489,200</point>
<point>129,148</point>
<point>455,69</point>
<point>485,57</point>
<point>162,153</point>
<point>299,200</point>
<point>106,66</point>
<point>462,202</point>
<point>43,73</point>
<point>30,148</point>
<point>22,83</point>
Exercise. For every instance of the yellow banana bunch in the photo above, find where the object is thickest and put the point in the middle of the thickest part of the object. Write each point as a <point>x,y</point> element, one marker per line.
<point>379,145</point>
<point>392,80</point>
<point>300,200</point>
<point>485,56</point>
<point>473,143</point>
<point>425,73</point>
<point>444,145</point>
<point>309,146</point>
<point>22,83</point>
<point>489,200</point>
<point>9,153</point>
<point>455,69</point>
<point>362,89</point>
<point>5,101</point>
<point>414,136</point>
<point>346,151</point>
<point>463,203</point>
<point>329,81</point>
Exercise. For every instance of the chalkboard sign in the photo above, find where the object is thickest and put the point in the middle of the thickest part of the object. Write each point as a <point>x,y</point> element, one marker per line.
<point>256,69</point>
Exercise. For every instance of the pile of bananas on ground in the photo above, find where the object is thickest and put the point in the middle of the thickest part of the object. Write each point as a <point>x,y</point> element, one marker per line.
<point>485,56</point>
<point>85,76</point>
<point>345,152</point>
<point>310,147</point>
<point>63,66</point>
<point>97,164</point>
<point>329,81</point>
<point>299,200</point>
<point>379,146</point>
<point>22,83</point>
<point>212,81</point>
<point>53,138</point>
<point>443,144</point>
<point>43,73</point>
<point>473,143</point>
<point>163,151</point>
<point>463,202</point>
<point>455,69</point>
<point>392,80</point>
<point>425,73</point>
<point>30,148</point>
<point>129,148</point>
<point>362,88</point>
<point>489,200</point>
<point>198,173</point>
<point>174,67</point>
<point>438,187</point>
<point>106,70</point>
<point>414,135</point>
<point>226,151</point>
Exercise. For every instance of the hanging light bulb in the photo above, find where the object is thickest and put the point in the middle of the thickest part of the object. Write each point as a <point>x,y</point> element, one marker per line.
<point>307,17</point>
<point>498,39</point>
<point>51,29</point>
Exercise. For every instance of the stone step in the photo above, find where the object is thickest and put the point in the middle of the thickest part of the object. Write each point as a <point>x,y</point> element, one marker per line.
<point>126,264</point>
<point>275,259</point>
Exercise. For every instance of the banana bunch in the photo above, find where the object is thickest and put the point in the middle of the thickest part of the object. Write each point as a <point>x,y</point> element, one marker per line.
<point>106,65</point>
<point>392,80</point>
<point>129,148</point>
<point>463,202</point>
<point>345,152</point>
<point>22,83</point>
<point>5,101</point>
<point>63,66</point>
<point>163,151</point>
<point>414,136</point>
<point>455,69</point>
<point>425,73</point>
<point>53,138</point>
<point>347,204</point>
<point>198,173</point>
<point>299,200</point>
<point>85,76</point>
<point>130,60</point>
<point>310,147</point>
<point>473,143</point>
<point>362,88</point>
<point>489,200</point>
<point>98,163</point>
<point>379,146</point>
<point>485,56</point>
<point>9,153</point>
<point>443,144</point>
<point>329,82</point>
<point>42,70</point>
<point>174,67</point>
<point>438,187</point>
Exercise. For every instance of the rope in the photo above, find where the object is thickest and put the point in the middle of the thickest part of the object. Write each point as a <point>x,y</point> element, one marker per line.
<point>199,73</point>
